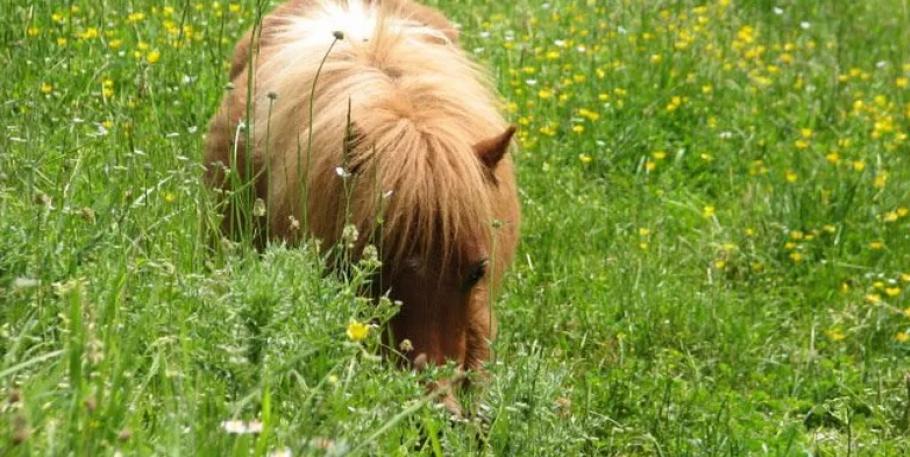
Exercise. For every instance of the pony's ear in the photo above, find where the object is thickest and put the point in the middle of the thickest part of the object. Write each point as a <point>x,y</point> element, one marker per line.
<point>492,150</point>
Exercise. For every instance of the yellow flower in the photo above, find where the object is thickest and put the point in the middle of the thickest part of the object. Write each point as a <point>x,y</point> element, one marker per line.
<point>801,144</point>
<point>881,180</point>
<point>61,41</point>
<point>874,298</point>
<point>234,8</point>
<point>33,31</point>
<point>644,231</point>
<point>153,57</point>
<point>115,44</point>
<point>905,277</point>
<point>135,17</point>
<point>796,257</point>
<point>890,216</point>
<point>805,133</point>
<point>585,159</point>
<point>859,165</point>
<point>89,33</point>
<point>578,128</point>
<point>902,82</point>
<point>650,166</point>
<point>902,337</point>
<point>659,155</point>
<point>877,245</point>
<point>833,158</point>
<point>357,331</point>
<point>708,211</point>
<point>791,176</point>
<point>893,291</point>
<point>656,58</point>
<point>545,93</point>
<point>835,334</point>
<point>720,264</point>
<point>902,211</point>
<point>46,88</point>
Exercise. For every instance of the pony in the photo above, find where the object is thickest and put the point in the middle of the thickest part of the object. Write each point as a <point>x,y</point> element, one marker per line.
<point>326,93</point>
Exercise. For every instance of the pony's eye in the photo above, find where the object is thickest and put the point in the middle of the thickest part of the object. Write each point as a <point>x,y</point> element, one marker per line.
<point>476,274</point>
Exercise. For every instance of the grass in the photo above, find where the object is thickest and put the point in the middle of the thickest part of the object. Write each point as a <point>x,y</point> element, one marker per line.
<point>715,255</point>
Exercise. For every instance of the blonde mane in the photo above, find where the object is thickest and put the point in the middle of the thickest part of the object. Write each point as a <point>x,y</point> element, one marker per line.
<point>416,103</point>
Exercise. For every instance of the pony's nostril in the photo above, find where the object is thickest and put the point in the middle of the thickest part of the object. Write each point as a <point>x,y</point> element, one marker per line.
<point>420,362</point>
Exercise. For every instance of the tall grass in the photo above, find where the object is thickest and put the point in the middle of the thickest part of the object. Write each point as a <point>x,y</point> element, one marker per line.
<point>714,251</point>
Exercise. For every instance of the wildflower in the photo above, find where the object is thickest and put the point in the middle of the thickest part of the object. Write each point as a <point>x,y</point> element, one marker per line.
<point>357,331</point>
<point>89,33</point>
<point>259,207</point>
<point>656,58</point>
<point>890,216</point>
<point>153,57</point>
<point>708,211</point>
<point>893,291</point>
<point>585,158</point>
<point>578,128</point>
<point>134,18</point>
<point>796,257</point>
<point>805,133</point>
<point>902,337</point>
<point>650,166</point>
<point>46,88</point>
<point>833,158</point>
<point>881,180</point>
<point>877,245</point>
<point>835,334</point>
<point>238,427</point>
<point>801,144</point>
<point>902,82</point>
<point>659,155</point>
<point>61,41</point>
<point>33,31</point>
<point>545,93</point>
<point>169,197</point>
<point>791,176</point>
<point>859,165</point>
<point>873,298</point>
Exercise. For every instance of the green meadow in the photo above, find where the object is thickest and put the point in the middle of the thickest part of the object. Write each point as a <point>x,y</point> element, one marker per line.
<point>715,252</point>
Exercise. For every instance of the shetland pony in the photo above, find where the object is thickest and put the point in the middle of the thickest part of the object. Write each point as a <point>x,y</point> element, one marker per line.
<point>401,112</point>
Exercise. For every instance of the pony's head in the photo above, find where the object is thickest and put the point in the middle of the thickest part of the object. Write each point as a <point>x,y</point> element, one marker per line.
<point>444,250</point>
